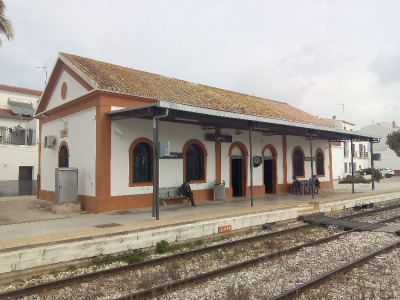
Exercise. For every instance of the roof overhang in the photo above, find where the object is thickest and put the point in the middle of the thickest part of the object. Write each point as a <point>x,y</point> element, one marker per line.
<point>209,118</point>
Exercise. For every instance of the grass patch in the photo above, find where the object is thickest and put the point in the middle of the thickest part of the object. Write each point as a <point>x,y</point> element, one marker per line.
<point>72,268</point>
<point>130,257</point>
<point>164,247</point>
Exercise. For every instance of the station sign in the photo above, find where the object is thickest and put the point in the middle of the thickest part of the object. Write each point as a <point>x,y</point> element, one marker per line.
<point>173,155</point>
<point>218,138</point>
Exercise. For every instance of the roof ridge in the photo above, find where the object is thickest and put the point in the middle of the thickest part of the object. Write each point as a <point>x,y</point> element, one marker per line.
<point>21,90</point>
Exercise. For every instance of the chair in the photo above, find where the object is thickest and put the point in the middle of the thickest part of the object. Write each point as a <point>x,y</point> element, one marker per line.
<point>307,187</point>
<point>296,186</point>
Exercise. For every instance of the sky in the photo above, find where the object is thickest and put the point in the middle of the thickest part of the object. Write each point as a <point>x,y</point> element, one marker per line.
<point>329,58</point>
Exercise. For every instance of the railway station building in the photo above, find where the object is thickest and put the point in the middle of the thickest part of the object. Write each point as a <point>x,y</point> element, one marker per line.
<point>131,133</point>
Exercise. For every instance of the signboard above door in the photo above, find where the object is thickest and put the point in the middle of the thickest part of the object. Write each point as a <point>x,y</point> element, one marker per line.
<point>218,138</point>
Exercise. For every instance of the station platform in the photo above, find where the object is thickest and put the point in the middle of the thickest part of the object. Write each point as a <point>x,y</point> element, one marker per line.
<point>32,236</point>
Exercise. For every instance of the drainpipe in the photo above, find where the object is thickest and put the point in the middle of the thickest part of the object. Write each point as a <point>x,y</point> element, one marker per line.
<point>156,167</point>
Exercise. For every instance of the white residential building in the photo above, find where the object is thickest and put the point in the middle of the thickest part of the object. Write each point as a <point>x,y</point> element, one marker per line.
<point>386,157</point>
<point>18,140</point>
<point>341,152</point>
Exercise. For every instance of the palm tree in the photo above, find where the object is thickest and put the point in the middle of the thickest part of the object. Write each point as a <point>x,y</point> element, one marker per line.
<point>5,24</point>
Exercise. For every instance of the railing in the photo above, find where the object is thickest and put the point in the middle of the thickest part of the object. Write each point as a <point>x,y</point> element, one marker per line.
<point>17,136</point>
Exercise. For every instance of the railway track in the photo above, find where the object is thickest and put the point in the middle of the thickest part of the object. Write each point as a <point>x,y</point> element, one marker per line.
<point>291,294</point>
<point>185,256</point>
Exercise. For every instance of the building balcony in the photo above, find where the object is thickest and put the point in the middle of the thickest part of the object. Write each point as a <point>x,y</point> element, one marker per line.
<point>17,136</point>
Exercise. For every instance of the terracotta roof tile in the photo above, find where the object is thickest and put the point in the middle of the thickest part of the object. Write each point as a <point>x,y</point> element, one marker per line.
<point>19,90</point>
<point>118,79</point>
<point>8,114</point>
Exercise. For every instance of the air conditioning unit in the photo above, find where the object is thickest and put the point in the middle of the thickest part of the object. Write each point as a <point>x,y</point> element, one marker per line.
<point>49,141</point>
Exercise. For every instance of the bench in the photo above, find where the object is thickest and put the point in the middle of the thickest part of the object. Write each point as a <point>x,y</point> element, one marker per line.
<point>171,193</point>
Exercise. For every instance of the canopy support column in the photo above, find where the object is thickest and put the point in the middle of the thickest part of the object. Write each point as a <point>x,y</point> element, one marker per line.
<point>251,163</point>
<point>352,169</point>
<point>312,166</point>
<point>156,167</point>
<point>371,142</point>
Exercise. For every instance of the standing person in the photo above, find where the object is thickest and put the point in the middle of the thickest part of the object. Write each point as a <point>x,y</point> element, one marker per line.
<point>187,192</point>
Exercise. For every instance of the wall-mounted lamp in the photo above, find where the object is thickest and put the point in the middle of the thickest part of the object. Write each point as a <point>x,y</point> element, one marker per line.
<point>238,132</point>
<point>50,116</point>
<point>118,131</point>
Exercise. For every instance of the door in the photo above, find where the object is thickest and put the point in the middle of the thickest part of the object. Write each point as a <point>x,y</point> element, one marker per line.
<point>237,176</point>
<point>25,182</point>
<point>268,169</point>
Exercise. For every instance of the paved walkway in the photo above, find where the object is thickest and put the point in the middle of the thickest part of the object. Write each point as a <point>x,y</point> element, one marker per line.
<point>26,220</point>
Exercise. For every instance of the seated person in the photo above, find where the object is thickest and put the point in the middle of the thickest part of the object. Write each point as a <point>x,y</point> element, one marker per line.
<point>187,192</point>
<point>316,185</point>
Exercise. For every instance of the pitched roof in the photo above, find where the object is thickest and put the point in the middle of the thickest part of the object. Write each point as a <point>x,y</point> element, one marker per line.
<point>8,114</point>
<point>122,80</point>
<point>20,90</point>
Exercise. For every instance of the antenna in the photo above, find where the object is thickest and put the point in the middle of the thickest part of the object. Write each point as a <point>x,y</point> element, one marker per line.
<point>45,69</point>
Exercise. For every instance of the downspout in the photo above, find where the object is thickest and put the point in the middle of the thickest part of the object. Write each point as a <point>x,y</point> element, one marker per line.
<point>156,167</point>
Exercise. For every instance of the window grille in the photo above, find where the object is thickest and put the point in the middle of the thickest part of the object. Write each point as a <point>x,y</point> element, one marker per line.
<point>298,163</point>
<point>320,164</point>
<point>194,163</point>
<point>17,136</point>
<point>63,157</point>
<point>142,163</point>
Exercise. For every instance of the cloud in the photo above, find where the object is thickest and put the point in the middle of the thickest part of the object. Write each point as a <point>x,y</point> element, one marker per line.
<point>311,54</point>
<point>386,67</point>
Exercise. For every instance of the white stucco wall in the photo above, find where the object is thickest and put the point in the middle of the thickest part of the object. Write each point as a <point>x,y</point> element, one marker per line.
<point>74,90</point>
<point>171,170</point>
<point>14,156</point>
<point>294,141</point>
<point>81,142</point>
<point>337,162</point>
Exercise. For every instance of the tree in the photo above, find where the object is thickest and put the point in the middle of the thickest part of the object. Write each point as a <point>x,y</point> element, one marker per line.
<point>393,141</point>
<point>5,24</point>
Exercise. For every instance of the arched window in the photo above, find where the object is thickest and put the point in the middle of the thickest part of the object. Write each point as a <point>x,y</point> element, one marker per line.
<point>298,163</point>
<point>194,163</point>
<point>320,163</point>
<point>141,163</point>
<point>63,157</point>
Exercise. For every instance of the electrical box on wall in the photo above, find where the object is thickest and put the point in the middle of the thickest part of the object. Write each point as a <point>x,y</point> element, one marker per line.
<point>163,149</point>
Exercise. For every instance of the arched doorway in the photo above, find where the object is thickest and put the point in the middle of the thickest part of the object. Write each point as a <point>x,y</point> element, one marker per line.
<point>238,154</point>
<point>269,154</point>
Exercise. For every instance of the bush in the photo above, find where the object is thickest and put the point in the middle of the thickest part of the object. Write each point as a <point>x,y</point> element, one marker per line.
<point>362,179</point>
<point>162,247</point>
